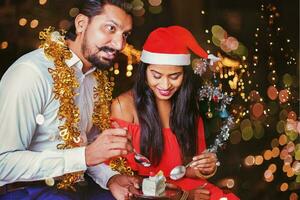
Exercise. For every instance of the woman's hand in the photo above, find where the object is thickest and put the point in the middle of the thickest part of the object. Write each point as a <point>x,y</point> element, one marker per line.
<point>206,163</point>
<point>199,194</point>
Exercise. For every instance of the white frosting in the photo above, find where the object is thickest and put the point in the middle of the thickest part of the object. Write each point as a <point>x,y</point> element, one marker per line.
<point>154,185</point>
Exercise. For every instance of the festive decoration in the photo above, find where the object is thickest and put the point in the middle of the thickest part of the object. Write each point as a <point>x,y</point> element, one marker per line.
<point>102,92</point>
<point>156,49</point>
<point>199,66</point>
<point>120,164</point>
<point>64,85</point>
<point>233,55</point>
<point>212,93</point>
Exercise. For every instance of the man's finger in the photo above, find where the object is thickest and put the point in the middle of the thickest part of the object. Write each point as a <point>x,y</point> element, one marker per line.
<point>116,139</point>
<point>115,132</point>
<point>117,152</point>
<point>117,145</point>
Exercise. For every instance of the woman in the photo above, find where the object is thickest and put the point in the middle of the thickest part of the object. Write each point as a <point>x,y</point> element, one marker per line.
<point>162,116</point>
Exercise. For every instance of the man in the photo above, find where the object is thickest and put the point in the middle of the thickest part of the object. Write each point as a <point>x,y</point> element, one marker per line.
<point>31,120</point>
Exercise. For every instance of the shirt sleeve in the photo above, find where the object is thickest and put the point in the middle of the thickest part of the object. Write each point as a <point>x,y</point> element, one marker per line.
<point>23,95</point>
<point>101,174</point>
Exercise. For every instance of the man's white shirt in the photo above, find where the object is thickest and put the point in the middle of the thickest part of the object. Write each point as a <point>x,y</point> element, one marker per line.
<point>29,123</point>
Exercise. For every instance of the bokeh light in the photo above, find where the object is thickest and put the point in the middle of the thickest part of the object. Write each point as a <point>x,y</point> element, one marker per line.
<point>283,96</point>
<point>247,133</point>
<point>259,160</point>
<point>283,139</point>
<point>275,152</point>
<point>293,196</point>
<point>272,167</point>
<point>154,2</point>
<point>116,72</point>
<point>218,32</point>
<point>42,2</point>
<point>73,12</point>
<point>268,154</point>
<point>284,187</point>
<point>249,160</point>
<point>4,45</point>
<point>129,73</point>
<point>259,130</point>
<point>34,23</point>
<point>257,110</point>
<point>230,183</point>
<point>292,115</point>
<point>137,4</point>
<point>155,9</point>
<point>280,126</point>
<point>287,80</point>
<point>22,21</point>
<point>268,175</point>
<point>272,93</point>
<point>138,12</point>
<point>283,114</point>
<point>274,143</point>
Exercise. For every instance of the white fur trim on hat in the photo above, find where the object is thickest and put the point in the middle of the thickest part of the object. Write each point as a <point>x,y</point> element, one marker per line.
<point>165,59</point>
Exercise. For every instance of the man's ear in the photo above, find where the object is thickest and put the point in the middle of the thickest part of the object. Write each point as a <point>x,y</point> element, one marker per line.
<point>81,22</point>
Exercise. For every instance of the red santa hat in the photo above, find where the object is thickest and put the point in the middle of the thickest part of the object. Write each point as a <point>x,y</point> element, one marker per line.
<point>170,46</point>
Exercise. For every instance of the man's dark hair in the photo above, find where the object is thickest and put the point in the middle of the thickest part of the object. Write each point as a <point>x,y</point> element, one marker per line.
<point>91,8</point>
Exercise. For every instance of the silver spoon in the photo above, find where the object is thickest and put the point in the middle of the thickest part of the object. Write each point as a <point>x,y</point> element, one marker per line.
<point>179,171</point>
<point>139,158</point>
<point>143,160</point>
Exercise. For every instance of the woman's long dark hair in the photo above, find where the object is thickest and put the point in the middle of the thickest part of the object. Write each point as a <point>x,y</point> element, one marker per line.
<point>183,116</point>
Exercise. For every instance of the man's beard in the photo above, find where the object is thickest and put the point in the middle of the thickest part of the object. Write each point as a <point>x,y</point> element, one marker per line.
<point>96,60</point>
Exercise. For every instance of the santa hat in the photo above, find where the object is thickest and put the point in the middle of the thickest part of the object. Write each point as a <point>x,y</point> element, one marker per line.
<point>170,46</point>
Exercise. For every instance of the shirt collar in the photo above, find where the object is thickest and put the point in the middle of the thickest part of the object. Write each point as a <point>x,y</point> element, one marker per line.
<point>76,62</point>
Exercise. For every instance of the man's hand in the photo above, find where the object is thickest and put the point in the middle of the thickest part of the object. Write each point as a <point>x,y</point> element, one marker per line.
<point>119,186</point>
<point>110,143</point>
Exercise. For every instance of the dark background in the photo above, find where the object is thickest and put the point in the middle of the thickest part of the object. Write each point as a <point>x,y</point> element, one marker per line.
<point>239,18</point>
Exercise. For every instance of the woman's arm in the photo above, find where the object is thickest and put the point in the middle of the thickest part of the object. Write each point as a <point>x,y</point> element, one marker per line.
<point>204,165</point>
<point>123,107</point>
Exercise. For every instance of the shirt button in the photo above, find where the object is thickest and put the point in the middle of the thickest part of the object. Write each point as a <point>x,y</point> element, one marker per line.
<point>50,181</point>
<point>40,119</point>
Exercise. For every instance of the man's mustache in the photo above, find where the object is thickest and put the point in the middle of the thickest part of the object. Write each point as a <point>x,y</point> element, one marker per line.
<point>108,49</point>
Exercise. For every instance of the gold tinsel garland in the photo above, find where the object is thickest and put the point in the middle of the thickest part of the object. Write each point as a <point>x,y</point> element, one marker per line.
<point>120,164</point>
<point>103,94</point>
<point>64,85</point>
